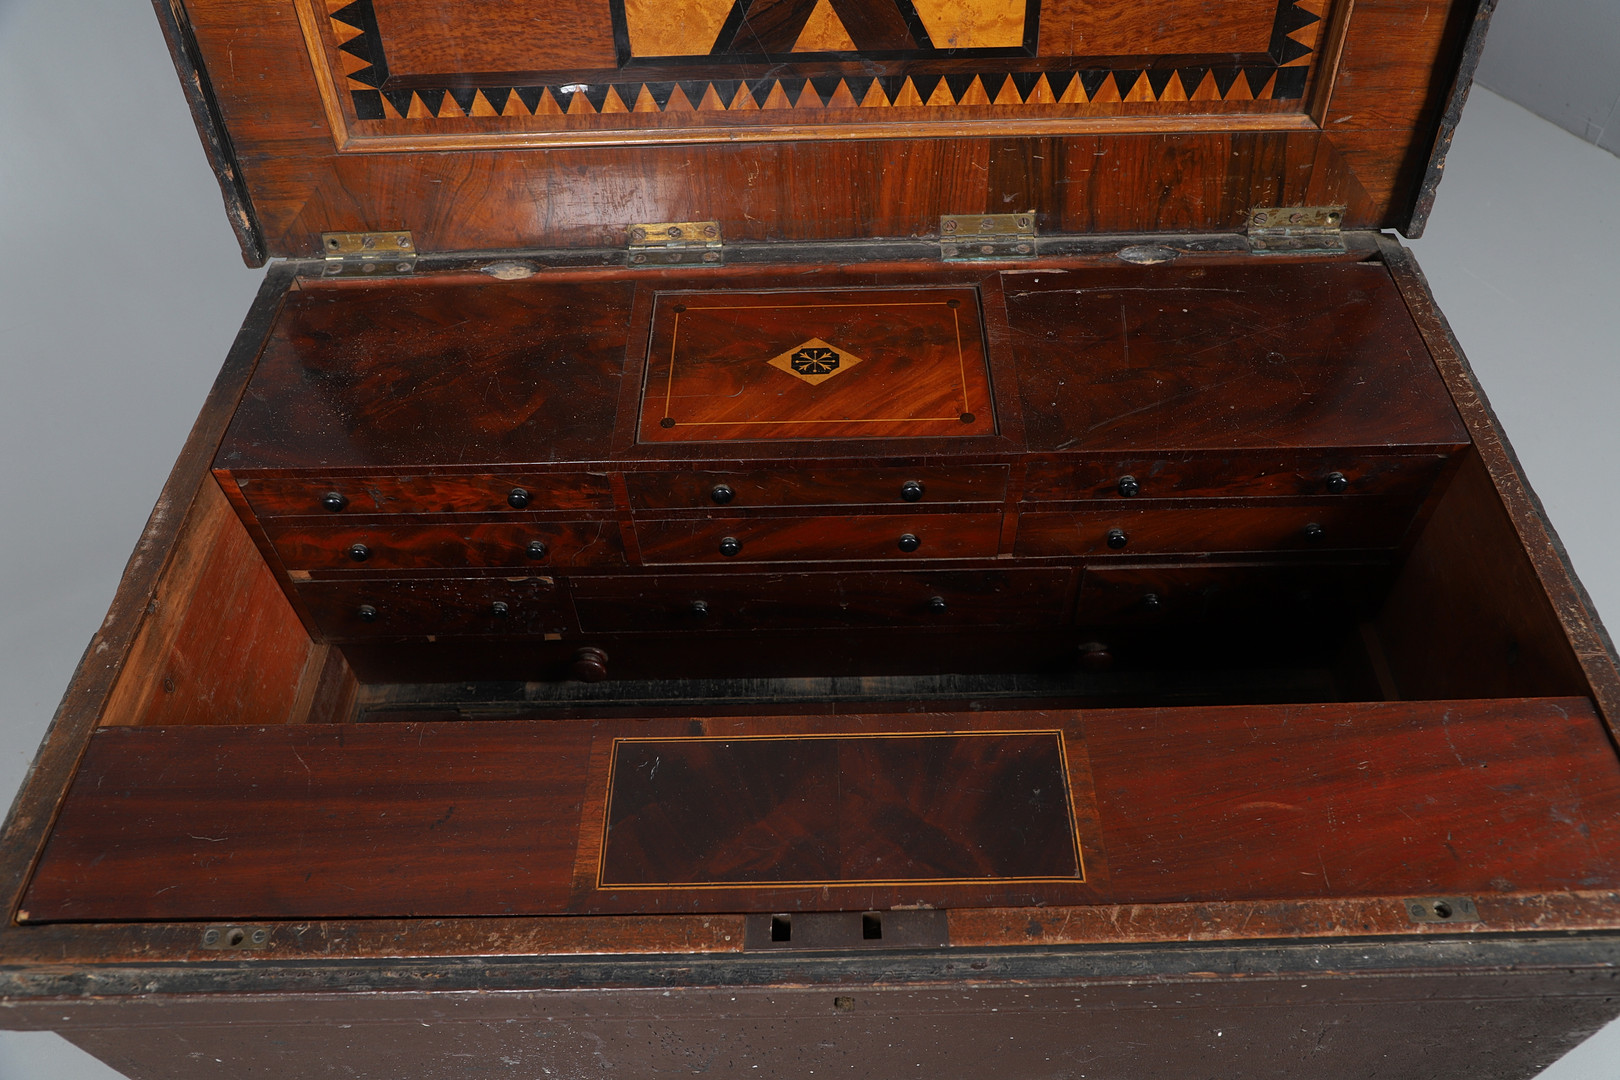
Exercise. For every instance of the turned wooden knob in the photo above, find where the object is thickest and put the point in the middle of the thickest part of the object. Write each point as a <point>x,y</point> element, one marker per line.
<point>730,546</point>
<point>334,501</point>
<point>722,494</point>
<point>1117,539</point>
<point>590,664</point>
<point>909,542</point>
<point>1337,483</point>
<point>1096,656</point>
<point>1128,486</point>
<point>517,498</point>
<point>911,490</point>
<point>359,552</point>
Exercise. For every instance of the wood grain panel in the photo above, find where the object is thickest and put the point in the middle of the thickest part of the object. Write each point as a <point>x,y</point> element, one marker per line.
<point>809,539</point>
<point>1122,27</point>
<point>1344,524</point>
<point>220,644</point>
<point>263,823</point>
<point>301,496</point>
<point>441,547</point>
<point>874,364</point>
<point>1317,355</point>
<point>1247,476</point>
<point>801,486</point>
<point>1259,803</point>
<point>452,39</point>
<point>1411,798</point>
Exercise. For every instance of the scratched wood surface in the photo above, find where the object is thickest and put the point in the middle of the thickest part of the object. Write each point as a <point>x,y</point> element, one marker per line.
<point>1260,803</point>
<point>1140,160</point>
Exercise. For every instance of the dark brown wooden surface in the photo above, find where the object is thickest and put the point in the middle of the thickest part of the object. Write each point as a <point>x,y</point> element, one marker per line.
<point>826,812</point>
<point>466,544</point>
<point>1140,167</point>
<point>459,371</point>
<point>1223,804</point>
<point>816,364</point>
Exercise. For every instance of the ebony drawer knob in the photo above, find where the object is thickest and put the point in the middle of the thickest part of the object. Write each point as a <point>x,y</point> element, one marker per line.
<point>499,609</point>
<point>937,605</point>
<point>1096,656</point>
<point>909,542</point>
<point>517,498</point>
<point>536,549</point>
<point>1129,487</point>
<point>366,613</point>
<point>359,552</point>
<point>1151,601</point>
<point>334,501</point>
<point>730,546</point>
<point>700,608</point>
<point>1337,483</point>
<point>722,494</point>
<point>911,490</point>
<point>1117,539</point>
<point>590,665</point>
<point>1314,533</point>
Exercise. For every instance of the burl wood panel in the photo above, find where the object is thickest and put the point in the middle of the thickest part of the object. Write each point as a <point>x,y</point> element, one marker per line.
<point>832,811</point>
<point>220,644</point>
<point>867,364</point>
<point>1366,150</point>
<point>1258,803</point>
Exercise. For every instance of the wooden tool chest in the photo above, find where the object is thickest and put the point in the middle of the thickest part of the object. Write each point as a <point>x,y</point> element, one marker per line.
<point>772,537</point>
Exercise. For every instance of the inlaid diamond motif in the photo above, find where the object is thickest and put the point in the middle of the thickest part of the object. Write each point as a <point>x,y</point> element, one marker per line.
<point>815,361</point>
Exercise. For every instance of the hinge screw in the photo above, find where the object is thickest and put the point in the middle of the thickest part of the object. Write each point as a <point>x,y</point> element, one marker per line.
<point>638,235</point>
<point>404,243</point>
<point>711,256</point>
<point>949,225</point>
<point>711,231</point>
<point>675,232</point>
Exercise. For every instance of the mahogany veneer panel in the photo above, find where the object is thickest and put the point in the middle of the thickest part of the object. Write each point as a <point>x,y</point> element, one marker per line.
<point>873,363</point>
<point>819,811</point>
<point>1209,358</point>
<point>1231,803</point>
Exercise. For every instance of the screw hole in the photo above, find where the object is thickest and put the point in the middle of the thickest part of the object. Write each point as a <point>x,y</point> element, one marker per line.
<point>843,1004</point>
<point>235,938</point>
<point>872,926</point>
<point>781,928</point>
<point>1442,910</point>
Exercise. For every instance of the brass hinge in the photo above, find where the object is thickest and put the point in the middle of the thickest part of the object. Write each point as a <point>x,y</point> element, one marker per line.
<point>368,252</point>
<point>1296,230</point>
<point>976,237</point>
<point>675,243</point>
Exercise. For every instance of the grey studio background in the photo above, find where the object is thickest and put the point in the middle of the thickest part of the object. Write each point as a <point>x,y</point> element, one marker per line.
<point>121,288</point>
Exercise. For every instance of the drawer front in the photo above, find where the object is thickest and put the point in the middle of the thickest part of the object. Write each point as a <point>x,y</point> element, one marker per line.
<point>1168,595</point>
<point>1401,477</point>
<point>448,547</point>
<point>429,607</point>
<point>808,539</point>
<point>1193,530</point>
<point>1022,598</point>
<point>300,496</point>
<point>789,486</point>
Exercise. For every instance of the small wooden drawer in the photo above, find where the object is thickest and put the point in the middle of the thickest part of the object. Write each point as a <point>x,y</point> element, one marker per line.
<point>301,496</point>
<point>1322,525</point>
<point>791,486</point>
<point>802,539</point>
<point>1168,595</point>
<point>433,607</point>
<point>1246,475</point>
<point>1023,598</point>
<point>447,547</point>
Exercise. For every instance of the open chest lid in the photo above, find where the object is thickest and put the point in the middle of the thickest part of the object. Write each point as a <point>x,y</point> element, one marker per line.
<point>492,124</point>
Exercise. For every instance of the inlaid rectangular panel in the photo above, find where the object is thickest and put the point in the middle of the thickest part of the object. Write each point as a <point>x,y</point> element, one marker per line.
<point>839,810</point>
<point>816,364</point>
<point>593,70</point>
